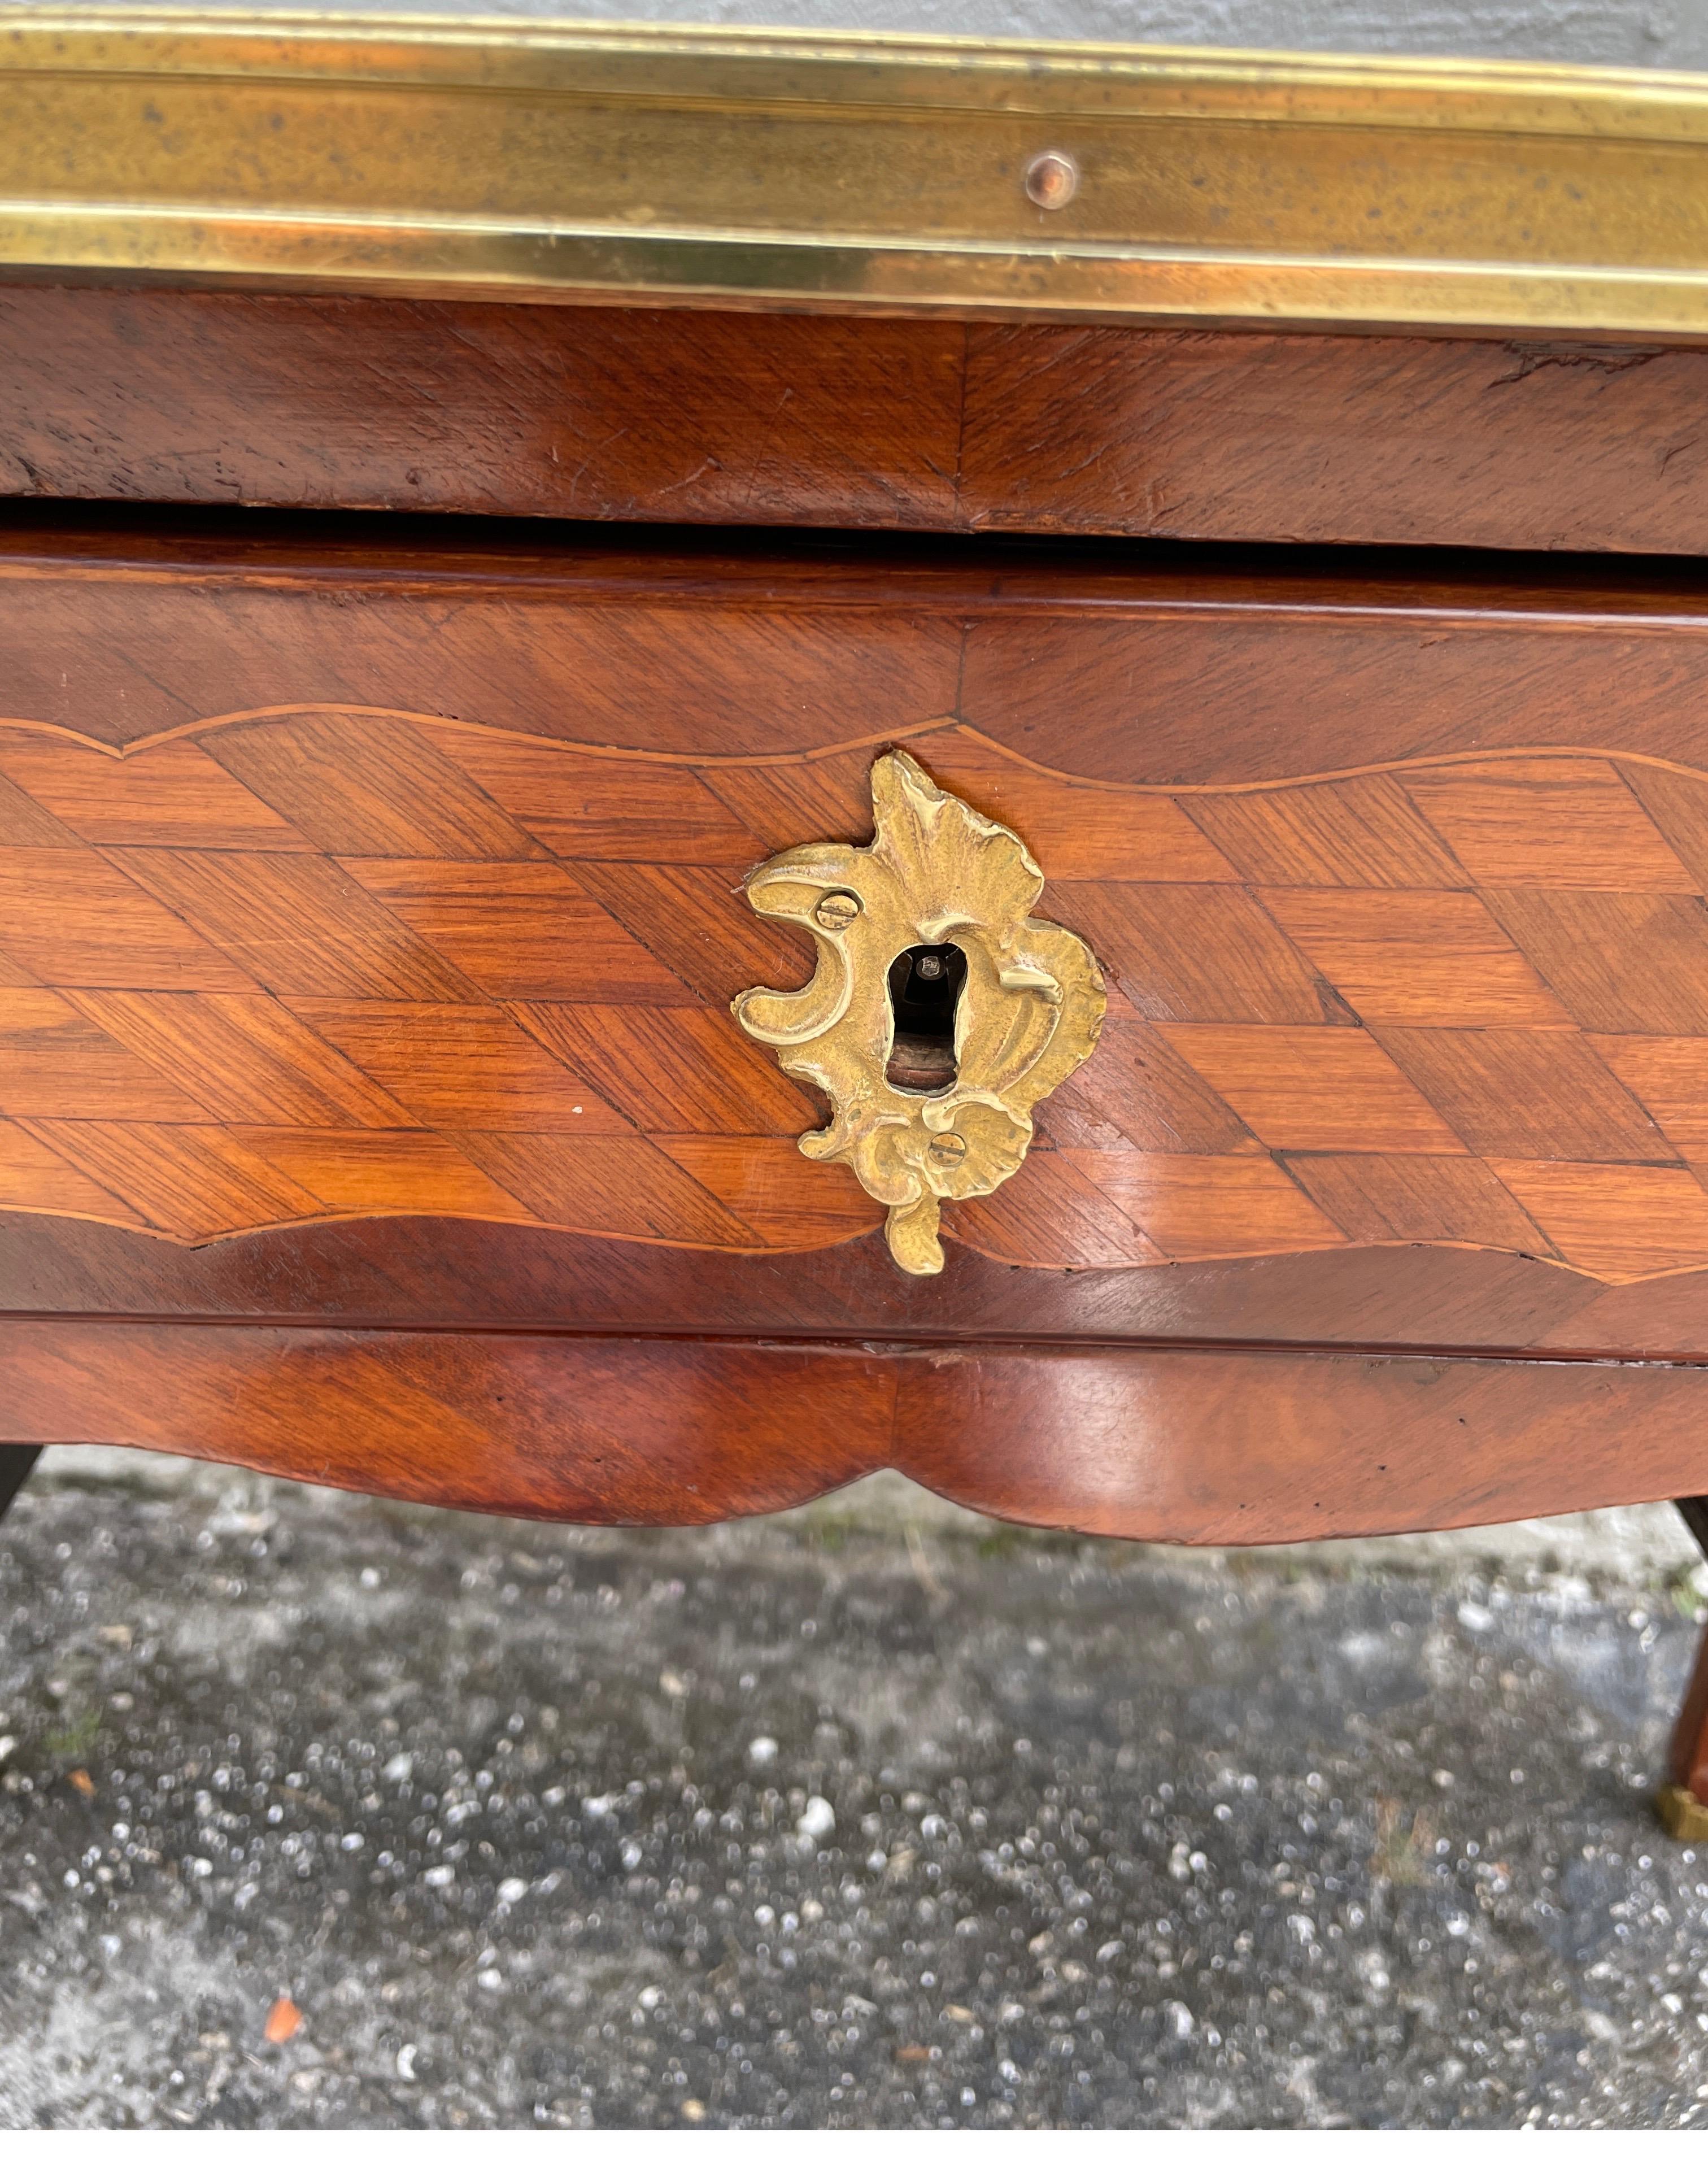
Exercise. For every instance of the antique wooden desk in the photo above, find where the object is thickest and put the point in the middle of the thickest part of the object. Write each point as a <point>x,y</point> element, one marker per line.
<point>499,515</point>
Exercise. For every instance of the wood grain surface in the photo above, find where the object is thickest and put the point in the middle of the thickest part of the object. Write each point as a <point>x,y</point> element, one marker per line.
<point>714,416</point>
<point>1137,665</point>
<point>1166,1444</point>
<point>305,955</point>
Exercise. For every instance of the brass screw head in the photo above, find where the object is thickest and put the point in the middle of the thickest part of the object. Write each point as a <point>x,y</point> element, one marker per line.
<point>948,1150</point>
<point>1051,179</point>
<point>836,912</point>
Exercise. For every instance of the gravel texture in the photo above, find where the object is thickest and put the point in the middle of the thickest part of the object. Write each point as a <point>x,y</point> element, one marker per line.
<point>806,1824</point>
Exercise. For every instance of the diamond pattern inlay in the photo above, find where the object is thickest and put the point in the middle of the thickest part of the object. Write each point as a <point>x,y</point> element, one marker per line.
<point>325,964</point>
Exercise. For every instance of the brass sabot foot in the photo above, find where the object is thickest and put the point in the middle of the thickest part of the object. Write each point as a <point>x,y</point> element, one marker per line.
<point>1681,1814</point>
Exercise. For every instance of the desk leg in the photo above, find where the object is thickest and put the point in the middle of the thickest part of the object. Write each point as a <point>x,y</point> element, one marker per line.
<point>16,1463</point>
<point>1682,1802</point>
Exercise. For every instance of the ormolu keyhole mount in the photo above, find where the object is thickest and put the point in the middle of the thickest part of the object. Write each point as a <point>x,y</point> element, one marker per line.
<point>931,1097</point>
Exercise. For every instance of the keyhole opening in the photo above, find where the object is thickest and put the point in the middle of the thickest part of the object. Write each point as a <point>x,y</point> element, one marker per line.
<point>924,992</point>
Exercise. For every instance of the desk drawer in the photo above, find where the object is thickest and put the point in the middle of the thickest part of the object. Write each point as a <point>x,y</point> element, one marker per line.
<point>378,905</point>
<point>371,906</point>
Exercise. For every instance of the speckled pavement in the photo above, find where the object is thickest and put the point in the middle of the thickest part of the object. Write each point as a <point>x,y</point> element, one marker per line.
<point>810,1824</point>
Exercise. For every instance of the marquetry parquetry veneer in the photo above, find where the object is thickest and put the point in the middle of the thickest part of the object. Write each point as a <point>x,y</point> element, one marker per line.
<point>316,964</point>
<point>310,958</point>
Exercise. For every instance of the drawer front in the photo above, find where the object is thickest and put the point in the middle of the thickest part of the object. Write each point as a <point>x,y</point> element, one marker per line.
<point>384,892</point>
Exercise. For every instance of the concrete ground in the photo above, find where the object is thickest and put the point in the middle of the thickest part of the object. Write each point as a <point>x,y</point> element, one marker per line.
<point>320,1811</point>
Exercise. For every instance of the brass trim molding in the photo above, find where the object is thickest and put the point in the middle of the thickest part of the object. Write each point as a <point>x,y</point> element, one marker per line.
<point>1680,1812</point>
<point>891,173</point>
<point>938,880</point>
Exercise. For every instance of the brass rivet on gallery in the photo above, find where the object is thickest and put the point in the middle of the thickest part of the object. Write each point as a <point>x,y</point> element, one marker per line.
<point>1051,179</point>
<point>949,1150</point>
<point>836,911</point>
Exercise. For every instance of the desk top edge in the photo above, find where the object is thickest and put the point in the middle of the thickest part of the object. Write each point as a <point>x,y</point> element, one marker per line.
<point>559,160</point>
